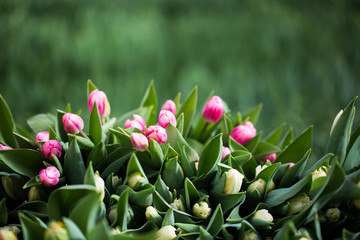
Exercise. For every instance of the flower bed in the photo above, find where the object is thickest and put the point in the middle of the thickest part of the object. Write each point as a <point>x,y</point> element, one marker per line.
<point>180,174</point>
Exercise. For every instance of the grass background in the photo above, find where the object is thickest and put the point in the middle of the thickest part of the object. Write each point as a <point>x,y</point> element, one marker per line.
<point>300,58</point>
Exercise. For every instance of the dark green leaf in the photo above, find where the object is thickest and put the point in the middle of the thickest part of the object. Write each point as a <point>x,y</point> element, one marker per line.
<point>168,218</point>
<point>172,174</point>
<point>123,211</point>
<point>37,208</point>
<point>84,143</point>
<point>188,108</point>
<point>41,122</point>
<point>352,159</point>
<point>191,193</point>
<point>100,231</point>
<point>34,181</point>
<point>205,235</point>
<point>74,167</point>
<point>3,212</point>
<point>95,129</point>
<point>7,126</point>
<point>210,156</point>
<point>97,154</point>
<point>274,137</point>
<point>31,230</point>
<point>89,176</point>
<point>59,127</point>
<point>157,155</point>
<point>287,139</point>
<point>150,99</point>
<point>73,230</point>
<point>24,142</point>
<point>228,201</point>
<point>216,221</point>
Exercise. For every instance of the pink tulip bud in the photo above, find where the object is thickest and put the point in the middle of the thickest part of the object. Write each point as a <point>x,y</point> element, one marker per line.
<point>139,141</point>
<point>290,164</point>
<point>213,109</point>
<point>165,117</point>
<point>101,101</point>
<point>157,133</point>
<point>170,106</point>
<point>72,123</point>
<point>42,137</point>
<point>271,157</point>
<point>243,133</point>
<point>3,147</point>
<point>49,176</point>
<point>226,151</point>
<point>51,147</point>
<point>138,123</point>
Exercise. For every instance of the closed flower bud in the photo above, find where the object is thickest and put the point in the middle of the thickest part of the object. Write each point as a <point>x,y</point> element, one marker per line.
<point>101,101</point>
<point>6,234</point>
<point>157,133</point>
<point>170,106</point>
<point>290,164</point>
<point>8,186</point>
<point>100,185</point>
<point>135,179</point>
<point>251,235</point>
<point>298,203</point>
<point>51,147</point>
<point>321,172</point>
<point>42,137</point>
<point>226,151</point>
<point>3,147</point>
<point>234,181</point>
<point>333,214</point>
<point>166,233</point>
<point>113,213</point>
<point>72,123</point>
<point>33,194</point>
<point>336,120</point>
<point>263,214</point>
<point>243,133</point>
<point>166,117</point>
<point>56,231</point>
<point>201,210</point>
<point>259,185</point>
<point>138,123</point>
<point>150,212</point>
<point>139,141</point>
<point>213,109</point>
<point>115,180</point>
<point>271,186</point>
<point>178,205</point>
<point>271,157</point>
<point>259,168</point>
<point>49,176</point>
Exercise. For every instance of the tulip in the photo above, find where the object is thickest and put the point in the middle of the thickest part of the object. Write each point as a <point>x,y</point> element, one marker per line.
<point>226,151</point>
<point>271,157</point>
<point>101,101</point>
<point>321,172</point>
<point>213,109</point>
<point>72,123</point>
<point>6,234</point>
<point>113,213</point>
<point>251,235</point>
<point>33,194</point>
<point>100,185</point>
<point>243,133</point>
<point>157,133</point>
<point>201,210</point>
<point>149,212</point>
<point>56,231</point>
<point>263,214</point>
<point>3,147</point>
<point>336,120</point>
<point>166,117</point>
<point>51,147</point>
<point>49,176</point>
<point>259,185</point>
<point>138,123</point>
<point>234,181</point>
<point>170,106</point>
<point>259,168</point>
<point>166,233</point>
<point>298,203</point>
<point>139,141</point>
<point>135,179</point>
<point>178,205</point>
<point>42,137</point>
<point>290,164</point>
<point>8,186</point>
<point>333,214</point>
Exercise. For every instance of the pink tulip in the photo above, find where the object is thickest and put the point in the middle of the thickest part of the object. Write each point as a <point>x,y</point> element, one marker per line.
<point>51,147</point>
<point>165,117</point>
<point>243,133</point>
<point>3,147</point>
<point>138,123</point>
<point>72,123</point>
<point>139,141</point>
<point>157,133</point>
<point>271,157</point>
<point>49,176</point>
<point>290,164</point>
<point>101,101</point>
<point>170,106</point>
<point>42,137</point>
<point>213,109</point>
<point>226,151</point>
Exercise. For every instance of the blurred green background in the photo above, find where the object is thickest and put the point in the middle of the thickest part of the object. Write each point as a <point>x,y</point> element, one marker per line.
<point>300,58</point>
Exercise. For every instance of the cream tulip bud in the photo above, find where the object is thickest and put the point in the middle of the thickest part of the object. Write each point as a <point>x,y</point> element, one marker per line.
<point>166,233</point>
<point>337,117</point>
<point>263,214</point>
<point>100,185</point>
<point>33,194</point>
<point>298,203</point>
<point>259,168</point>
<point>251,235</point>
<point>201,210</point>
<point>56,231</point>
<point>178,205</point>
<point>135,179</point>
<point>259,185</point>
<point>234,181</point>
<point>113,213</point>
<point>333,214</point>
<point>357,203</point>
<point>6,234</point>
<point>150,212</point>
<point>320,172</point>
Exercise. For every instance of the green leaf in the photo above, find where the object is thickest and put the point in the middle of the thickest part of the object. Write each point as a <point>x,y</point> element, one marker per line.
<point>216,221</point>
<point>24,142</point>
<point>123,211</point>
<point>234,145</point>
<point>265,148</point>
<point>168,218</point>
<point>23,161</point>
<point>205,235</point>
<point>297,149</point>
<point>73,230</point>
<point>95,129</point>
<point>84,143</point>
<point>210,156</point>
<point>274,137</point>
<point>3,212</point>
<point>100,231</point>
<point>116,165</point>
<point>253,114</point>
<point>162,189</point>
<point>180,123</point>
<point>74,167</point>
<point>287,139</point>
<point>187,167</point>
<point>142,198</point>
<point>90,87</point>
<point>191,193</point>
<point>31,230</point>
<point>41,122</point>
<point>157,155</point>
<point>59,127</point>
<point>97,154</point>
<point>172,174</point>
<point>228,201</point>
<point>347,235</point>
<point>37,208</point>
<point>34,181</point>
<point>89,176</point>
<point>349,191</point>
<point>150,99</point>
<point>189,108</point>
<point>7,126</point>
<point>352,159</point>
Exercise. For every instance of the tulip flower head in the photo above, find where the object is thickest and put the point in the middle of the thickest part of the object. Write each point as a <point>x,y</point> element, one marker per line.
<point>139,141</point>
<point>290,164</point>
<point>100,185</point>
<point>258,185</point>
<point>298,203</point>
<point>234,181</point>
<point>101,101</point>
<point>157,133</point>
<point>3,147</point>
<point>271,157</point>
<point>72,123</point>
<point>201,210</point>
<point>138,123</point>
<point>49,176</point>
<point>259,168</point>
<point>170,106</point>
<point>333,214</point>
<point>51,147</point>
<point>56,230</point>
<point>166,117</point>
<point>243,133</point>
<point>226,151</point>
<point>320,172</point>
<point>33,194</point>
<point>166,233</point>
<point>6,234</point>
<point>150,211</point>
<point>263,214</point>
<point>213,109</point>
<point>135,179</point>
<point>178,205</point>
<point>42,137</point>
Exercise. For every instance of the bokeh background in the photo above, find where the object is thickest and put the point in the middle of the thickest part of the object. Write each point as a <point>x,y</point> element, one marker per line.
<point>299,58</point>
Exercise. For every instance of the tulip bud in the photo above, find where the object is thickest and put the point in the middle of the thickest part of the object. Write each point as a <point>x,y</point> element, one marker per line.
<point>178,205</point>
<point>271,157</point>
<point>56,231</point>
<point>166,233</point>
<point>138,123</point>
<point>3,147</point>
<point>42,137</point>
<point>113,213</point>
<point>6,234</point>
<point>290,164</point>
<point>234,181</point>
<point>8,186</point>
<point>157,133</point>
<point>201,210</point>
<point>271,186</point>
<point>259,168</point>
<point>251,235</point>
<point>135,179</point>
<point>333,214</point>
<point>49,176</point>
<point>263,214</point>
<point>336,120</point>
<point>243,133</point>
<point>259,185</point>
<point>170,106</point>
<point>150,212</point>
<point>321,172</point>
<point>100,185</point>
<point>101,101</point>
<point>72,123</point>
<point>166,117</point>
<point>51,147</point>
<point>115,180</point>
<point>226,151</point>
<point>139,141</point>
<point>33,194</point>
<point>213,109</point>
<point>298,203</point>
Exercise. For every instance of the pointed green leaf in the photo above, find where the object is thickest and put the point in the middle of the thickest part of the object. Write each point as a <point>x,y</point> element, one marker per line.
<point>150,99</point>
<point>74,167</point>
<point>123,211</point>
<point>73,230</point>
<point>59,127</point>
<point>41,122</point>
<point>216,221</point>
<point>95,129</point>
<point>275,135</point>
<point>172,174</point>
<point>168,218</point>
<point>352,159</point>
<point>157,155</point>
<point>7,126</point>
<point>97,154</point>
<point>31,230</point>
<point>90,176</point>
<point>24,142</point>
<point>100,231</point>
<point>210,156</point>
<point>189,108</point>
<point>205,235</point>
<point>191,194</point>
<point>287,138</point>
<point>3,212</point>
<point>90,87</point>
<point>253,114</point>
